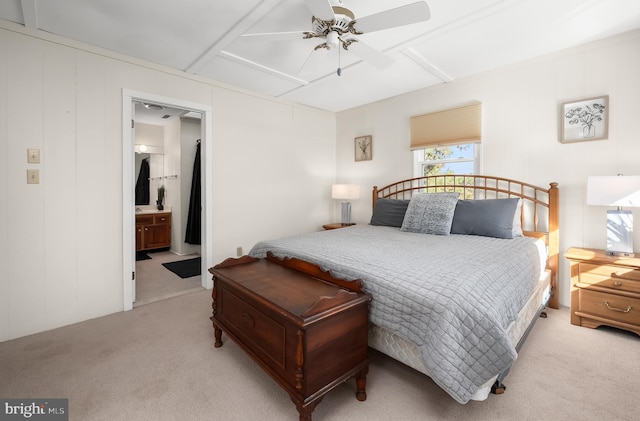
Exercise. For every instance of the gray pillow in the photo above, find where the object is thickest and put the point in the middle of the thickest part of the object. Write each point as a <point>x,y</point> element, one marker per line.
<point>489,217</point>
<point>389,212</point>
<point>430,213</point>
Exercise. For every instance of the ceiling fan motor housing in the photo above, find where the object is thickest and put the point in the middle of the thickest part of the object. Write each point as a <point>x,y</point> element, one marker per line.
<point>343,19</point>
<point>343,23</point>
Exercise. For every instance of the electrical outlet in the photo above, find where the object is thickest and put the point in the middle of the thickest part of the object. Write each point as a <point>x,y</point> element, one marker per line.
<point>239,251</point>
<point>33,176</point>
<point>33,156</point>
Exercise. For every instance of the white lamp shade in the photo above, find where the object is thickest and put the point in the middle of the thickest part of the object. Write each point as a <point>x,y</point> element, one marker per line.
<point>345,191</point>
<point>621,190</point>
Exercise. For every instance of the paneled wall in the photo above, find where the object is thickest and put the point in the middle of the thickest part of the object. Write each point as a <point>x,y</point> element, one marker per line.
<point>61,240</point>
<point>520,113</point>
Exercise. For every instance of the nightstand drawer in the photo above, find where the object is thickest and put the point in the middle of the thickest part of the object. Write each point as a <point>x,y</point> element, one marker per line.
<point>607,276</point>
<point>610,271</point>
<point>610,306</point>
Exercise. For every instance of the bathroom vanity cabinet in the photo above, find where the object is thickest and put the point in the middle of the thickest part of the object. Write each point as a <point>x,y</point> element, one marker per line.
<point>153,231</point>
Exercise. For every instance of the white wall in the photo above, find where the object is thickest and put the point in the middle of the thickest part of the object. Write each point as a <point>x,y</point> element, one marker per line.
<point>61,240</point>
<point>151,136</point>
<point>520,106</point>
<point>172,158</point>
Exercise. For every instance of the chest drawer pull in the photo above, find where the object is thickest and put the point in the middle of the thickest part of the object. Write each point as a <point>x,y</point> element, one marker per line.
<point>248,320</point>
<point>617,284</point>
<point>606,303</point>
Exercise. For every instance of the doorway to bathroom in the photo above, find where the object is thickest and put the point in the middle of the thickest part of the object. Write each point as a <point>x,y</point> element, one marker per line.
<point>165,250</point>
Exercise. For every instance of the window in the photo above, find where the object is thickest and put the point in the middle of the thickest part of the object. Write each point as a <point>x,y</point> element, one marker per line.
<point>461,158</point>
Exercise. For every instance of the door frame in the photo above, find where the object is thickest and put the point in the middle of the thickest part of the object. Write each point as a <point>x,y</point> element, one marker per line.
<point>128,190</point>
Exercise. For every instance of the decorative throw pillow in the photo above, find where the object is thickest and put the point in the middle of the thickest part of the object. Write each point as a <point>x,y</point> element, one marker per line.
<point>389,212</point>
<point>430,213</point>
<point>489,217</point>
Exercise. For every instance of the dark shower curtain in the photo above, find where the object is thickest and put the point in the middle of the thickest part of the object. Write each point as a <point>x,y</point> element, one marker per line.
<point>142,184</point>
<point>192,235</point>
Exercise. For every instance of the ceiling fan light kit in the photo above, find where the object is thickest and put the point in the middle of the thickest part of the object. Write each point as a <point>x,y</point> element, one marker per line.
<point>332,39</point>
<point>338,25</point>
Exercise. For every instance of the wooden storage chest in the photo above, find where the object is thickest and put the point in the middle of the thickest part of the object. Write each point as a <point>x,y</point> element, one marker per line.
<point>305,328</point>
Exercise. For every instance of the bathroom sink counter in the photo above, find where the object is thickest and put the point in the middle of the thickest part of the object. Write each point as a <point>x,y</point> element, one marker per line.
<point>143,210</point>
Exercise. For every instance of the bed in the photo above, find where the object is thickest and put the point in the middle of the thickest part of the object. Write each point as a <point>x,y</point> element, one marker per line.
<point>459,267</point>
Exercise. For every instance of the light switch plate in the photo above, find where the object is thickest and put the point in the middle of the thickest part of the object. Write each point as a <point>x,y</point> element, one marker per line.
<point>33,176</point>
<point>33,156</point>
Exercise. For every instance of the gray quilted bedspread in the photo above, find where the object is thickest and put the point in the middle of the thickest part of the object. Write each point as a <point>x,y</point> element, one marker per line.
<point>453,296</point>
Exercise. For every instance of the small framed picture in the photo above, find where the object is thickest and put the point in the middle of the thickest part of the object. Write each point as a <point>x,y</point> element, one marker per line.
<point>363,148</point>
<point>586,119</point>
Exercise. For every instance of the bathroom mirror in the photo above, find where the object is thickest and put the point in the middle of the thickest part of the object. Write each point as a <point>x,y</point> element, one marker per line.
<point>153,171</point>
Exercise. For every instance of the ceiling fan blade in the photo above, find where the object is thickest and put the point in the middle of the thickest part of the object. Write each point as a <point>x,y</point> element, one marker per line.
<point>400,16</point>
<point>370,54</point>
<point>275,36</point>
<point>321,9</point>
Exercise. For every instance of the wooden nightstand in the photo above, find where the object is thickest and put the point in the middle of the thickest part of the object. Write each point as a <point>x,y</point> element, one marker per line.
<point>336,226</point>
<point>605,290</point>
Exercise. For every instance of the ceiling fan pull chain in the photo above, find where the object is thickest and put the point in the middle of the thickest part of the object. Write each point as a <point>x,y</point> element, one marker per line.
<point>339,64</point>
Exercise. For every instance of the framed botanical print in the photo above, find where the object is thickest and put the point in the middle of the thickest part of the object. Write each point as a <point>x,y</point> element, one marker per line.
<point>363,148</point>
<point>586,119</point>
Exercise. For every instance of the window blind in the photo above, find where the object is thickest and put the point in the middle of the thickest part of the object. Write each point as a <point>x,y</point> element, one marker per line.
<point>447,127</point>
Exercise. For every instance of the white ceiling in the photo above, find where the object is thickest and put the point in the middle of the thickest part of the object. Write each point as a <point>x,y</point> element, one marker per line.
<point>203,37</point>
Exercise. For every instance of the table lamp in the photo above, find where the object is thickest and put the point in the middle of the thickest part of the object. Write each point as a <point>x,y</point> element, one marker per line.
<point>345,192</point>
<point>616,191</point>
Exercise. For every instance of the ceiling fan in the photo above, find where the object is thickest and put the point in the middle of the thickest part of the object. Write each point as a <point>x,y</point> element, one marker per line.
<point>337,26</point>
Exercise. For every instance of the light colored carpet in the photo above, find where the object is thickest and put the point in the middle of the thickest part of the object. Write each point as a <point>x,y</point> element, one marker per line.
<point>157,362</point>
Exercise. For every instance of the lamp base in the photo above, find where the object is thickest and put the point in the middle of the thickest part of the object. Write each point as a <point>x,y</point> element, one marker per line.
<point>346,213</point>
<point>619,233</point>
